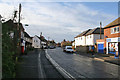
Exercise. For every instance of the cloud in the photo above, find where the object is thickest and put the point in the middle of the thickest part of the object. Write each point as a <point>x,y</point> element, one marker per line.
<point>58,20</point>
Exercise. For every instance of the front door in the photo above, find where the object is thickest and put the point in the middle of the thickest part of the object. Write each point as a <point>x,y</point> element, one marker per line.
<point>100,48</point>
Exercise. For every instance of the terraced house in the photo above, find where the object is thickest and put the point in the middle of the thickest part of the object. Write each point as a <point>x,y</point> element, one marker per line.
<point>85,41</point>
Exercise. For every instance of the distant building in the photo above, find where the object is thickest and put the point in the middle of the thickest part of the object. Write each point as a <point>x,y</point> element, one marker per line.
<point>66,43</point>
<point>43,42</point>
<point>58,44</point>
<point>36,42</point>
<point>51,43</point>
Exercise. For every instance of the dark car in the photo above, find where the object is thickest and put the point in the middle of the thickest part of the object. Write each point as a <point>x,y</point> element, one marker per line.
<point>51,47</point>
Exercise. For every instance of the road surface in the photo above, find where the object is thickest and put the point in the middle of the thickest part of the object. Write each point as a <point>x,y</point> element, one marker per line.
<point>83,67</point>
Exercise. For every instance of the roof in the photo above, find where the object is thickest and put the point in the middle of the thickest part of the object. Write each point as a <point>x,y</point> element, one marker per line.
<point>96,31</point>
<point>8,26</point>
<point>42,38</point>
<point>26,34</point>
<point>37,36</point>
<point>83,33</point>
<point>21,26</point>
<point>114,23</point>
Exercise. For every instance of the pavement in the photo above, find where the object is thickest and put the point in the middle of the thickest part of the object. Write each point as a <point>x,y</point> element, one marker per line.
<point>35,65</point>
<point>27,66</point>
<point>103,57</point>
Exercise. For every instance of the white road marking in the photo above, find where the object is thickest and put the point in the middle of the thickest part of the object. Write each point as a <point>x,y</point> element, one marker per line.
<point>40,68</point>
<point>59,68</point>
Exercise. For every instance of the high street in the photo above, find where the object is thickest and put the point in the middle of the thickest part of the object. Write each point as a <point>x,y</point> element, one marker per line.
<point>83,67</point>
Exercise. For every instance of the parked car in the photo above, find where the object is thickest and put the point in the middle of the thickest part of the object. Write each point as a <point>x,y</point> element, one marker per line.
<point>68,49</point>
<point>51,47</point>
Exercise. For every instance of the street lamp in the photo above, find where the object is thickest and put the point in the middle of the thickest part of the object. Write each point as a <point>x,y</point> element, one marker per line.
<point>26,25</point>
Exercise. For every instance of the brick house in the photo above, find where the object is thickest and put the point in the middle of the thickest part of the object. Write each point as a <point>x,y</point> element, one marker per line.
<point>111,39</point>
<point>112,36</point>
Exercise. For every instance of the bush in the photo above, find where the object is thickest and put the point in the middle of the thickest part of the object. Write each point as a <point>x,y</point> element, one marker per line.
<point>8,52</point>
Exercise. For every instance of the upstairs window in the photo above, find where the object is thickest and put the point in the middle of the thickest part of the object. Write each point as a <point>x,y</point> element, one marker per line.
<point>115,30</point>
<point>90,36</point>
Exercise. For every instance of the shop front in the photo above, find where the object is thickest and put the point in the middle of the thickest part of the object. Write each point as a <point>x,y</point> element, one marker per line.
<point>112,46</point>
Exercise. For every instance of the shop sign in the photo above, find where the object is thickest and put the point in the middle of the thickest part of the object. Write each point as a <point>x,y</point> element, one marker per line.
<point>108,40</point>
<point>113,39</point>
<point>119,39</point>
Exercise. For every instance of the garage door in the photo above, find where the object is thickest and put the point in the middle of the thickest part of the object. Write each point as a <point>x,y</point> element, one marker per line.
<point>100,48</point>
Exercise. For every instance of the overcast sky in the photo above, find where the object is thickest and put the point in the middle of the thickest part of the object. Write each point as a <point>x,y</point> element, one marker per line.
<point>61,20</point>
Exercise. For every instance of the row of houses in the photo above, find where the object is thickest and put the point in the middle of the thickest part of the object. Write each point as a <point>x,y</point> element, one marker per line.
<point>102,40</point>
<point>21,38</point>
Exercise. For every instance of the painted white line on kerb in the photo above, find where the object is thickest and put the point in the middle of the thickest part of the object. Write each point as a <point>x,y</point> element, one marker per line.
<point>40,72</point>
<point>59,68</point>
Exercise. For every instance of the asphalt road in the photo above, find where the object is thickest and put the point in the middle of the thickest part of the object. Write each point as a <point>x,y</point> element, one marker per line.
<point>83,67</point>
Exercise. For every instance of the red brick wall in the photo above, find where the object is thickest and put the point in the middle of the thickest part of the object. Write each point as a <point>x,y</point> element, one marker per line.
<point>107,32</point>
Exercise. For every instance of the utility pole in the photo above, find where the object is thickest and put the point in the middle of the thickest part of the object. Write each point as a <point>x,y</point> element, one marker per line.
<point>0,47</point>
<point>100,30</point>
<point>15,15</point>
<point>40,40</point>
<point>48,38</point>
<point>48,43</point>
<point>19,27</point>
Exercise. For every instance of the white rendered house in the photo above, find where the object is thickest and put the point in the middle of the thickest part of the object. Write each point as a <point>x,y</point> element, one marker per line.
<point>93,35</point>
<point>80,40</point>
<point>36,42</point>
<point>89,37</point>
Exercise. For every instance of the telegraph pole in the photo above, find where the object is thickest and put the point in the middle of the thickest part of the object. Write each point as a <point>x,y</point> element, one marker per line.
<point>0,47</point>
<point>40,40</point>
<point>19,27</point>
<point>100,30</point>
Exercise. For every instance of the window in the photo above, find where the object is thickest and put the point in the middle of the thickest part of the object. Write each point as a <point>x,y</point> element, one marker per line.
<point>115,30</point>
<point>90,36</point>
<point>112,30</point>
